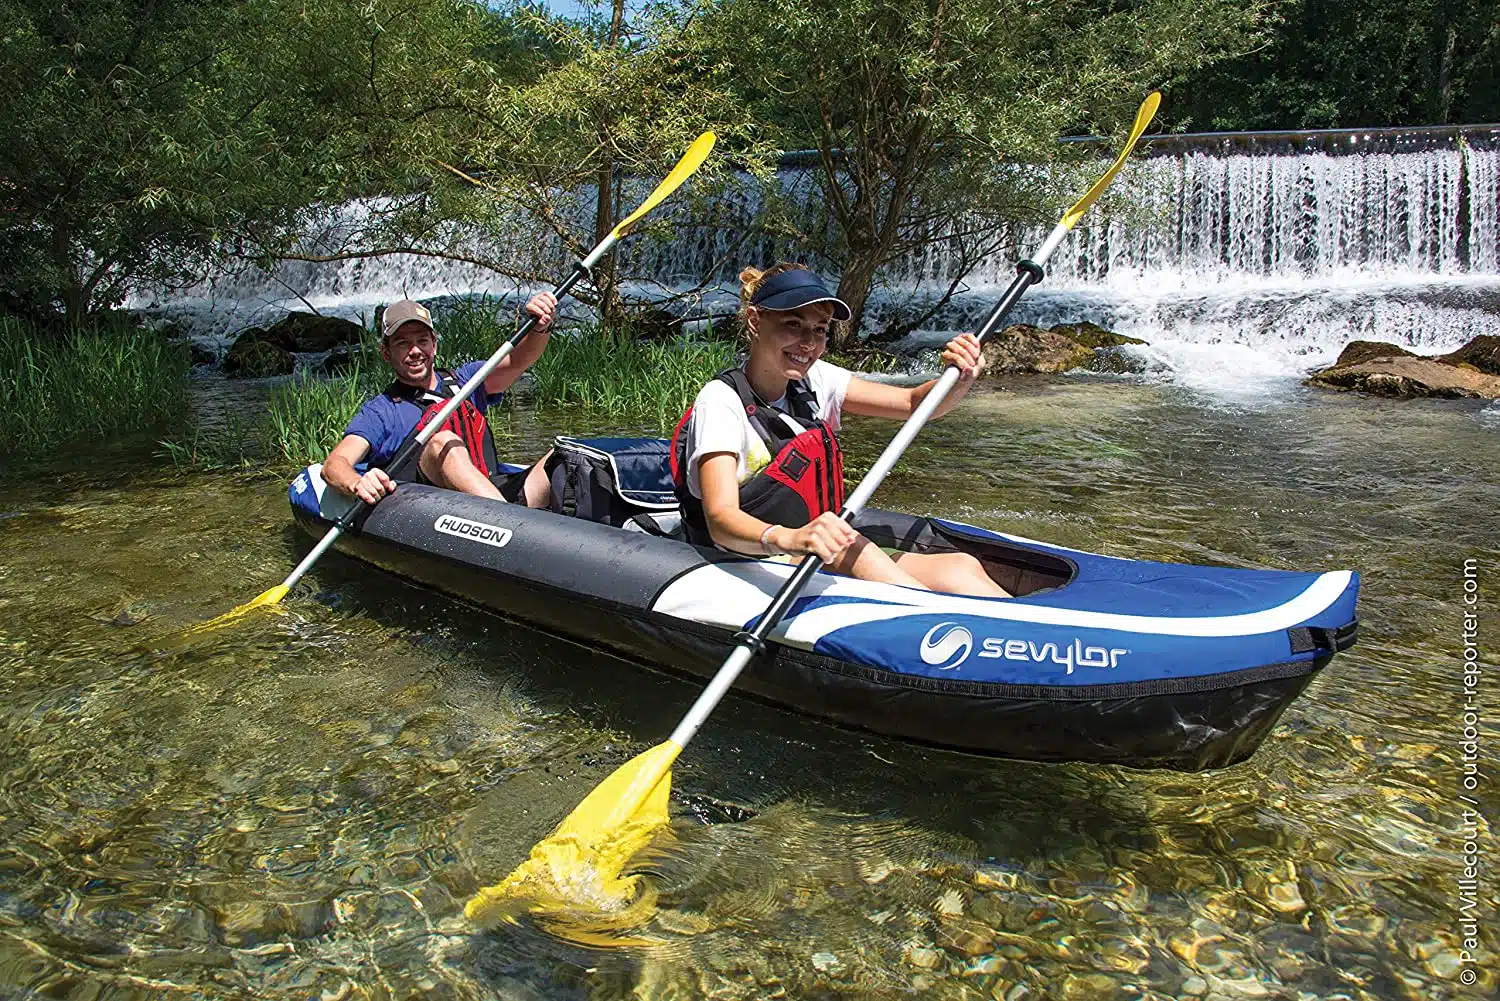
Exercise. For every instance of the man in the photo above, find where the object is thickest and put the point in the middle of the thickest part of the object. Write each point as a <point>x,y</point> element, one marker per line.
<point>460,456</point>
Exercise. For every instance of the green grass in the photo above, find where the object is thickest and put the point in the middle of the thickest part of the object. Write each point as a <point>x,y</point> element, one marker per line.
<point>639,383</point>
<point>306,417</point>
<point>88,383</point>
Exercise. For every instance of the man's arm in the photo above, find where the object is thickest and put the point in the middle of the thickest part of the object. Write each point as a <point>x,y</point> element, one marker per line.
<point>543,306</point>
<point>339,472</point>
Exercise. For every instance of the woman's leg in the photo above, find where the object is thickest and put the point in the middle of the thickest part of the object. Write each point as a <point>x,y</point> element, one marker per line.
<point>951,573</point>
<point>445,462</point>
<point>867,561</point>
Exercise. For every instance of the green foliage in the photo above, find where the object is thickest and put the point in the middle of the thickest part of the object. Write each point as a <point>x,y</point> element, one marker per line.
<point>87,384</point>
<point>910,105</point>
<point>641,384</point>
<point>140,136</point>
<point>1351,63</point>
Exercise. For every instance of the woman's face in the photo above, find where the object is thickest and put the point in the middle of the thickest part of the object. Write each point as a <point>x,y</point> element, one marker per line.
<point>789,339</point>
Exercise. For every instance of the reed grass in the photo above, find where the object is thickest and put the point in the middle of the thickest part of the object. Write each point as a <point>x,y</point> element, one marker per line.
<point>641,384</point>
<point>87,383</point>
<point>307,416</point>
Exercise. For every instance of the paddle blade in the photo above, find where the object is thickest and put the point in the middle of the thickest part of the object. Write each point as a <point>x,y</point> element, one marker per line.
<point>579,868</point>
<point>690,162</point>
<point>271,596</point>
<point>1143,118</point>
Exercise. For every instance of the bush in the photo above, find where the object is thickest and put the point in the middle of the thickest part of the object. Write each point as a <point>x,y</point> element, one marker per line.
<point>85,383</point>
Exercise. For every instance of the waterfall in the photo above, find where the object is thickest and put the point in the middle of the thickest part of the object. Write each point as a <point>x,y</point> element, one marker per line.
<point>1274,256</point>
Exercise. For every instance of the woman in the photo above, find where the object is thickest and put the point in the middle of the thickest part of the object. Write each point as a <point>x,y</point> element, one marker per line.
<point>756,463</point>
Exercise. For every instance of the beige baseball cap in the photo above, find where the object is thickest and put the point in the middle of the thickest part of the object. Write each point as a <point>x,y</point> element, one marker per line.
<point>405,311</point>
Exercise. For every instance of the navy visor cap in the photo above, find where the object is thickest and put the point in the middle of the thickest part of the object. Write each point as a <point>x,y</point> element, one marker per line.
<point>795,289</point>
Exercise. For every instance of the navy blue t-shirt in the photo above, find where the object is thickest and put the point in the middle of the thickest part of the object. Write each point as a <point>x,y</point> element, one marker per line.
<point>385,423</point>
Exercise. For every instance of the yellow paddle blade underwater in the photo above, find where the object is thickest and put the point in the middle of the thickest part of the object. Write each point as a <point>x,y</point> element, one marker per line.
<point>690,162</point>
<point>1142,119</point>
<point>579,868</point>
<point>270,596</point>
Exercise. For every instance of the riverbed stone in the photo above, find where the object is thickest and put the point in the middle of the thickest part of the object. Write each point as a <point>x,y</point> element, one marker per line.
<point>1410,377</point>
<point>965,936</point>
<point>313,332</point>
<point>1483,353</point>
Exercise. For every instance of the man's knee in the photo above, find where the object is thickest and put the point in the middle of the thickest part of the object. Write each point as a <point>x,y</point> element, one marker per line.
<point>439,448</point>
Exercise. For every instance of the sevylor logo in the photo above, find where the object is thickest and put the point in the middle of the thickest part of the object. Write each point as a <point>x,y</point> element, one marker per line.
<point>946,645</point>
<point>476,531</point>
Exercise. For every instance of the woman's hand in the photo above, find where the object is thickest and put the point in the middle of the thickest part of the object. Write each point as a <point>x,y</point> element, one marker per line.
<point>827,535</point>
<point>373,485</point>
<point>543,306</point>
<point>964,354</point>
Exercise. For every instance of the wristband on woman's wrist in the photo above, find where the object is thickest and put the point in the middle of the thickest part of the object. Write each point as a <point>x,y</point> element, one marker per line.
<point>766,545</point>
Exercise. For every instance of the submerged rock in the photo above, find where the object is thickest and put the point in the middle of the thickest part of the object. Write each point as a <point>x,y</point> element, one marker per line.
<point>1410,377</point>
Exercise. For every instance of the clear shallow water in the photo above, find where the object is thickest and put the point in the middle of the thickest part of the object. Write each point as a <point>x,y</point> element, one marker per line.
<point>298,805</point>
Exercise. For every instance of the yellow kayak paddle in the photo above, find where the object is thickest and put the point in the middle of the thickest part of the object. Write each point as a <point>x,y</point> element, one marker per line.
<point>583,861</point>
<point>686,167</point>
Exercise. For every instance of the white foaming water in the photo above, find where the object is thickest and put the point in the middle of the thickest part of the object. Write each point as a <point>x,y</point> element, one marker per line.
<point>1239,269</point>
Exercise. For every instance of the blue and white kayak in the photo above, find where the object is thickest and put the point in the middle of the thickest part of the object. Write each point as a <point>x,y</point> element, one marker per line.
<point>1096,659</point>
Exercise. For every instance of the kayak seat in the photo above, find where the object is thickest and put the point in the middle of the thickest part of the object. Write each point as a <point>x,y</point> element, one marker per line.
<point>624,482</point>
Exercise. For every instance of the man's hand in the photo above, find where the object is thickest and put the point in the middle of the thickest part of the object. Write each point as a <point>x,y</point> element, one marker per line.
<point>543,306</point>
<point>374,485</point>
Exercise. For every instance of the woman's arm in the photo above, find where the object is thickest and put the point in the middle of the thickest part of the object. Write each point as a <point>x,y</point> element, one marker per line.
<point>828,535</point>
<point>876,399</point>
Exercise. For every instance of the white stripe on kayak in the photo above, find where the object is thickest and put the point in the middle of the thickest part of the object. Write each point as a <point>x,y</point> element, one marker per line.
<point>722,594</point>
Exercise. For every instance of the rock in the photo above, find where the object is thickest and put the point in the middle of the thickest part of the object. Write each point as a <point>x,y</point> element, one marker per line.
<point>1195,986</point>
<point>923,958</point>
<point>965,936</point>
<point>1483,353</point>
<point>827,962</point>
<point>200,355</point>
<point>299,331</point>
<point>251,923</point>
<point>1022,348</point>
<point>254,357</point>
<point>339,361</point>
<point>1356,352</point>
<point>1091,335</point>
<point>1409,377</point>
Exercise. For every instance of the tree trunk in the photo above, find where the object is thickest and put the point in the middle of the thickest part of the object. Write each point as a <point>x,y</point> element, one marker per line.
<point>854,288</point>
<point>605,279</point>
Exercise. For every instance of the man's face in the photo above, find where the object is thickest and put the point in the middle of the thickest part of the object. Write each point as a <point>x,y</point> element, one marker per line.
<point>410,351</point>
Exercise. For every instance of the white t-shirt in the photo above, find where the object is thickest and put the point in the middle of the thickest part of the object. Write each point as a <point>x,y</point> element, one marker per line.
<point>719,423</point>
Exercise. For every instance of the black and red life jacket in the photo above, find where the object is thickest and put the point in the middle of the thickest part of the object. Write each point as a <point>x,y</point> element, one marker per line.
<point>805,477</point>
<point>466,422</point>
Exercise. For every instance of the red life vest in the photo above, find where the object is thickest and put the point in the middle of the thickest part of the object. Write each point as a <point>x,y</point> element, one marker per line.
<point>466,422</point>
<point>806,474</point>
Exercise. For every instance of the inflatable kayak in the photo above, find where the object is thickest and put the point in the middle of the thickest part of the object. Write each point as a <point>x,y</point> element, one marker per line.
<point>1096,659</point>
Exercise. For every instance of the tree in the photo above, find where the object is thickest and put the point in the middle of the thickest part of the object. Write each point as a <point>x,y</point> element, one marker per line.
<point>1353,63</point>
<point>143,133</point>
<point>914,106</point>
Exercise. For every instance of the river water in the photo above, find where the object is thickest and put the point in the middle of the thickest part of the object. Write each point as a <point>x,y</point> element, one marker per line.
<point>297,805</point>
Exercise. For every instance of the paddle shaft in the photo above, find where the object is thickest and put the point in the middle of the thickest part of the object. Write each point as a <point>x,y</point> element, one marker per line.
<point>1028,274</point>
<point>580,270</point>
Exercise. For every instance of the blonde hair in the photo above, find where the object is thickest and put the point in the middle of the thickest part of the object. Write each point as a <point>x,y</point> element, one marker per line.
<point>751,279</point>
